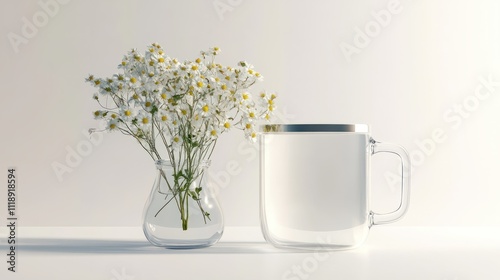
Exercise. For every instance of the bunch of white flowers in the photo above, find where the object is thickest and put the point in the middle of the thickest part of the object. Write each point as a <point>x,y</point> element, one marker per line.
<point>184,105</point>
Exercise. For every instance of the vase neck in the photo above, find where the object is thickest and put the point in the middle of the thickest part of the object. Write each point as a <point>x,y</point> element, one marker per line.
<point>163,164</point>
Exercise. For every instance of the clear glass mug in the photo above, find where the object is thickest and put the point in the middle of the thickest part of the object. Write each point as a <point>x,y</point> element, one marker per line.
<point>315,185</point>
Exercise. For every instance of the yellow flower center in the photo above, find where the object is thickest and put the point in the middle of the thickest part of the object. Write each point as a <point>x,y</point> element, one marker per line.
<point>97,82</point>
<point>184,112</point>
<point>113,116</point>
<point>176,139</point>
<point>194,67</point>
<point>163,96</point>
<point>124,63</point>
<point>245,96</point>
<point>198,60</point>
<point>227,125</point>
<point>145,120</point>
<point>133,80</point>
<point>199,84</point>
<point>112,126</point>
<point>97,113</point>
<point>151,63</point>
<point>135,96</point>
<point>251,115</point>
<point>161,60</point>
<point>205,108</point>
<point>148,104</point>
<point>164,118</point>
<point>223,87</point>
<point>227,78</point>
<point>250,71</point>
<point>248,126</point>
<point>127,113</point>
<point>253,135</point>
<point>213,132</point>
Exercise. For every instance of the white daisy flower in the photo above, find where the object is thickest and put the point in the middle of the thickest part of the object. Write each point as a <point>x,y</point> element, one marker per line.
<point>251,135</point>
<point>176,142</point>
<point>225,125</point>
<point>205,109</point>
<point>144,121</point>
<point>127,114</point>
<point>213,132</point>
<point>112,124</point>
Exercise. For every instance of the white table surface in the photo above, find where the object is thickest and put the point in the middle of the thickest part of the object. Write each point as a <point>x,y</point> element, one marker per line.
<point>403,253</point>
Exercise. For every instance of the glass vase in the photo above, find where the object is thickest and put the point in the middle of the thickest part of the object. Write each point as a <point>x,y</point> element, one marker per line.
<point>182,211</point>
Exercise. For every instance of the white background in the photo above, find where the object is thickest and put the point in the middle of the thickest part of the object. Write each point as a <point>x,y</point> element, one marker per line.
<point>405,80</point>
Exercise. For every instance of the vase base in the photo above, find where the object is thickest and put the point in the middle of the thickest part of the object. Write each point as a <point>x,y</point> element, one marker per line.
<point>187,247</point>
<point>180,244</point>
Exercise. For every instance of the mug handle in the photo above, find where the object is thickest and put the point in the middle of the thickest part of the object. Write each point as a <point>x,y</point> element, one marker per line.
<point>378,147</point>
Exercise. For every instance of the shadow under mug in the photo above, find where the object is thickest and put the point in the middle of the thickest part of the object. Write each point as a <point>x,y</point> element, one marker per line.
<point>315,185</point>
